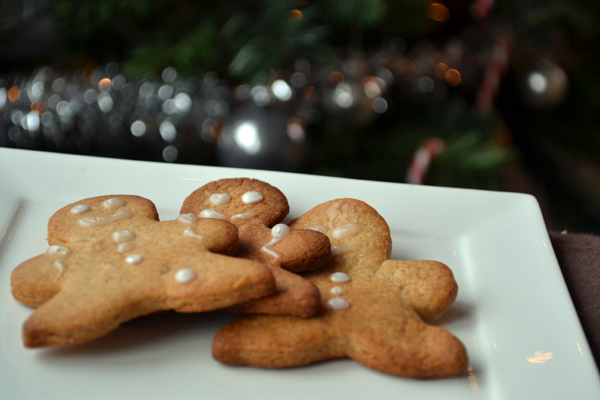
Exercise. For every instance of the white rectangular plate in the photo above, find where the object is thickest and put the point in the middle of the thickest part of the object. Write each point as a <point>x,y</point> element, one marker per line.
<point>513,311</point>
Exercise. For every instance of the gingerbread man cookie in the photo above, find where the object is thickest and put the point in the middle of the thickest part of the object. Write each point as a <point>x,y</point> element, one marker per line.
<point>375,310</point>
<point>110,260</point>
<point>257,209</point>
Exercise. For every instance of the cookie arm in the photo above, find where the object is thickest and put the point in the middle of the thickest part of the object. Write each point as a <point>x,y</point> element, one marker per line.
<point>427,286</point>
<point>402,344</point>
<point>303,250</point>
<point>295,296</point>
<point>79,314</point>
<point>34,281</point>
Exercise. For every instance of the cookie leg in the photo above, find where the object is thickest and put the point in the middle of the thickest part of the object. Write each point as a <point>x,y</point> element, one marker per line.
<point>274,342</point>
<point>77,316</point>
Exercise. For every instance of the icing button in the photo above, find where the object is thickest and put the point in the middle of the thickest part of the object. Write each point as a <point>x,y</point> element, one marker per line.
<point>338,303</point>
<point>184,275</point>
<point>339,277</point>
<point>133,259</point>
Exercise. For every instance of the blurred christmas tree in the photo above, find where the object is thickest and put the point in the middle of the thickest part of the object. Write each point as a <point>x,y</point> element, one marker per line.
<point>444,93</point>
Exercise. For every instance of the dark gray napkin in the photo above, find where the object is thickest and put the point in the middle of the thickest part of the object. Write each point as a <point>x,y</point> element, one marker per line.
<point>579,259</point>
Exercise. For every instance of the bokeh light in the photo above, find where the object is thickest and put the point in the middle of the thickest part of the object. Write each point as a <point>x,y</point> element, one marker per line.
<point>453,77</point>
<point>438,12</point>
<point>440,70</point>
<point>294,14</point>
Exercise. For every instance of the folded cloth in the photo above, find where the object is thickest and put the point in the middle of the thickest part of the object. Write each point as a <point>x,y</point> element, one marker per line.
<point>579,259</point>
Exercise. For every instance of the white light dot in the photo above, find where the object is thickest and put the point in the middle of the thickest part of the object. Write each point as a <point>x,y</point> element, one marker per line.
<point>281,90</point>
<point>380,105</point>
<point>183,102</point>
<point>105,102</point>
<point>342,95</point>
<point>425,84</point>
<point>167,131</point>
<point>260,95</point>
<point>247,138</point>
<point>165,92</point>
<point>537,82</point>
<point>170,153</point>
<point>169,74</point>
<point>138,128</point>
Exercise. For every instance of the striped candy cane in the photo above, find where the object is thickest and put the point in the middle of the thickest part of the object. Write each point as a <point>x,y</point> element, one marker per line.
<point>417,171</point>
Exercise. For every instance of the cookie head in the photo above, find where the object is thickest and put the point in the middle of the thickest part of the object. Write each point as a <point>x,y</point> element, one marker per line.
<point>240,201</point>
<point>105,214</point>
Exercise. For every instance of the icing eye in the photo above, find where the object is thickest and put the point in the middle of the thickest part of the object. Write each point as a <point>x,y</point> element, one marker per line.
<point>219,199</point>
<point>115,202</point>
<point>79,209</point>
<point>344,231</point>
<point>252,197</point>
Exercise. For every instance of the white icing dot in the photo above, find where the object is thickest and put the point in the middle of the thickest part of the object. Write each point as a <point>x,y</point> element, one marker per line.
<point>280,231</point>
<point>251,197</point>
<point>104,220</point>
<point>125,247</point>
<point>123,236</point>
<point>337,290</point>
<point>319,228</point>
<point>339,277</point>
<point>245,215</point>
<point>115,202</point>
<point>218,199</point>
<point>345,231</point>
<point>58,249</point>
<point>208,213</point>
<point>79,209</point>
<point>338,303</point>
<point>133,259</point>
<point>184,275</point>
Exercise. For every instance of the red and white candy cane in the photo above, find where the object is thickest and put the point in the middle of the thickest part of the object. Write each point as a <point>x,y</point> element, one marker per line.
<point>417,171</point>
<point>495,70</point>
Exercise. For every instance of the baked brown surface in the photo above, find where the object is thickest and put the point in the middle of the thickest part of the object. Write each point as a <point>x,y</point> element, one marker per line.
<point>257,221</point>
<point>114,261</point>
<point>378,316</point>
